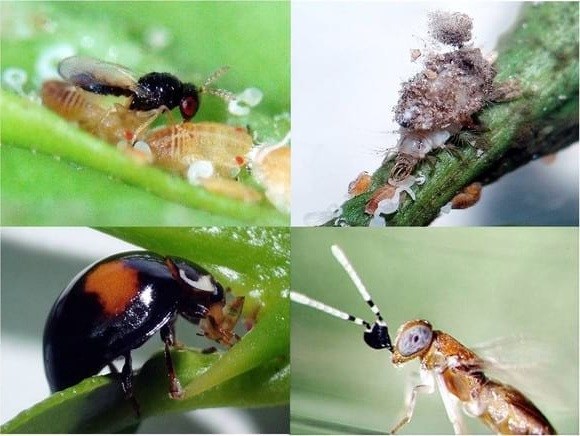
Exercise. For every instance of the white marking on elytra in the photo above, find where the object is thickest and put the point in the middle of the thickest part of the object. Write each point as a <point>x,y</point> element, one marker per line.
<point>204,283</point>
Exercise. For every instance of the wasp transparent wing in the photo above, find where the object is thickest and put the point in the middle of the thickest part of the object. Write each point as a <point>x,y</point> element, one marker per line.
<point>530,366</point>
<point>98,76</point>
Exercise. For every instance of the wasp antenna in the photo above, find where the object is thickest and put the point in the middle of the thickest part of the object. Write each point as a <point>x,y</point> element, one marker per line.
<point>347,266</point>
<point>378,335</point>
<point>315,304</point>
<point>215,75</point>
<point>225,95</point>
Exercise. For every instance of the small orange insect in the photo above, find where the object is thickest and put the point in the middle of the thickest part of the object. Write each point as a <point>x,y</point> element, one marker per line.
<point>72,103</point>
<point>219,149</point>
<point>359,185</point>
<point>445,364</point>
<point>270,165</point>
<point>177,147</point>
<point>467,197</point>
<point>220,322</point>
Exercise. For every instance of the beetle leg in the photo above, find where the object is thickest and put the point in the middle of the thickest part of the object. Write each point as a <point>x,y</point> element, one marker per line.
<point>172,336</point>
<point>209,350</point>
<point>113,368</point>
<point>127,382</point>
<point>167,335</point>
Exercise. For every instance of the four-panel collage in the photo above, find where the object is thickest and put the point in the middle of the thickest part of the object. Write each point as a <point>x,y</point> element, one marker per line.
<point>222,217</point>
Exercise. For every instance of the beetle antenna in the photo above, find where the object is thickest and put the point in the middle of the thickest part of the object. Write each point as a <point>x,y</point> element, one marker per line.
<point>375,335</point>
<point>218,92</point>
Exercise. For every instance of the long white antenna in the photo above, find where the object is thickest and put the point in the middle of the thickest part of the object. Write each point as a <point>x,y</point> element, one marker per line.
<point>347,266</point>
<point>299,298</point>
<point>375,335</point>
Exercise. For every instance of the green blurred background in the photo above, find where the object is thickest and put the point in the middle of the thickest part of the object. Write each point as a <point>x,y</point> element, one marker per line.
<point>478,284</point>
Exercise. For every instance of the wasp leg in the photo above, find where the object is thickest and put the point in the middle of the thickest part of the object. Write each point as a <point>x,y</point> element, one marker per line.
<point>154,115</point>
<point>427,386</point>
<point>167,333</point>
<point>451,406</point>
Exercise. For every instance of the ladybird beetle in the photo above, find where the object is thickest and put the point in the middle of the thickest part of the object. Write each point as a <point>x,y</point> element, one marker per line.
<point>118,303</point>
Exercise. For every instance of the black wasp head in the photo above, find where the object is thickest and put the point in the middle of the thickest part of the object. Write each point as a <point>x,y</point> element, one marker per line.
<point>189,103</point>
<point>378,337</point>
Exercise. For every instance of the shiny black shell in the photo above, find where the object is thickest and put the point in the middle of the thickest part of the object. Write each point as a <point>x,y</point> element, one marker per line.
<point>163,89</point>
<point>114,306</point>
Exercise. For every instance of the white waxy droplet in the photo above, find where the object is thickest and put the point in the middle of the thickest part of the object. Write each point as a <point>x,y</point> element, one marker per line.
<point>200,169</point>
<point>377,221</point>
<point>143,147</point>
<point>388,205</point>
<point>250,96</point>
<point>15,78</point>
<point>446,209</point>
<point>236,108</point>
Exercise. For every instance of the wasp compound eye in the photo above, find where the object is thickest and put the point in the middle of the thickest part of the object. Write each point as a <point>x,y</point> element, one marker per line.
<point>188,107</point>
<point>415,339</point>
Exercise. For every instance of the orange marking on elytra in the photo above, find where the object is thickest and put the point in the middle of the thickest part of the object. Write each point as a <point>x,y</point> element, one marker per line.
<point>115,284</point>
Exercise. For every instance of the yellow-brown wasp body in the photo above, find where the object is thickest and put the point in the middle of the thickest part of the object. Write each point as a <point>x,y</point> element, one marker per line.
<point>454,370</point>
<point>458,374</point>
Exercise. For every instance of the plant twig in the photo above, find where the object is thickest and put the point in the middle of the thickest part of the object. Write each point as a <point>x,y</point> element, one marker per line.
<point>541,53</point>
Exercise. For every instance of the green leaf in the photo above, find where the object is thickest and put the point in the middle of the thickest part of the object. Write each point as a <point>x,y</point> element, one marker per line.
<point>255,372</point>
<point>91,181</point>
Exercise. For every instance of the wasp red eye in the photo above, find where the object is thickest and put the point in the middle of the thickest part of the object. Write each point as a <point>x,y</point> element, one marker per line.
<point>188,107</point>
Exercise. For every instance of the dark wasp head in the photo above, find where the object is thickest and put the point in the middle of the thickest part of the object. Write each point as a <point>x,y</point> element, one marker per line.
<point>155,90</point>
<point>378,337</point>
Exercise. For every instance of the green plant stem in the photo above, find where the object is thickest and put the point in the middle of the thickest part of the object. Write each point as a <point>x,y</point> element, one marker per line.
<point>54,136</point>
<point>541,53</point>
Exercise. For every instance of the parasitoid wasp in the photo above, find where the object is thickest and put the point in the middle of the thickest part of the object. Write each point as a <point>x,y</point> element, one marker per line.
<point>153,91</point>
<point>453,369</point>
